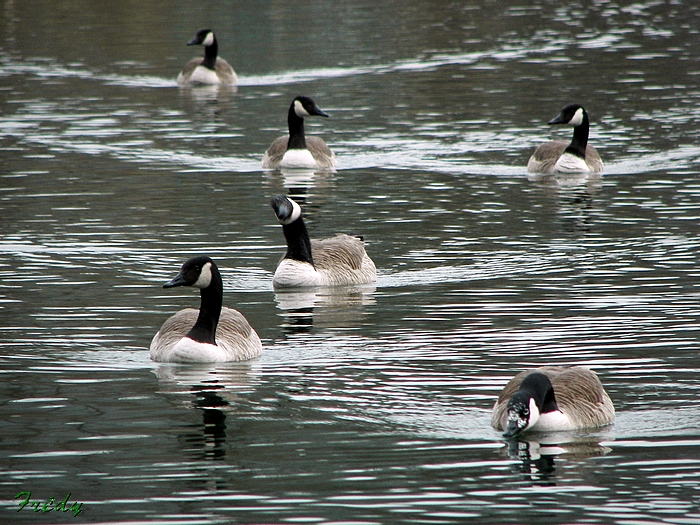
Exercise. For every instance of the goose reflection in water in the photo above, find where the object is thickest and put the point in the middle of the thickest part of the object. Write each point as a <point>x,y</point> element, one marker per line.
<point>298,180</point>
<point>301,184</point>
<point>536,460</point>
<point>209,439</point>
<point>210,95</point>
<point>591,181</point>
<point>324,307</point>
<point>212,390</point>
<point>573,195</point>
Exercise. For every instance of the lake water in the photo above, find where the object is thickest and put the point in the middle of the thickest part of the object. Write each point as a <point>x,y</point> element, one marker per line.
<point>369,405</point>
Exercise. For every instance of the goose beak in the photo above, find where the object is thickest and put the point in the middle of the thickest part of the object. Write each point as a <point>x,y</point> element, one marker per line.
<point>519,419</point>
<point>318,111</point>
<point>513,429</point>
<point>559,119</point>
<point>178,280</point>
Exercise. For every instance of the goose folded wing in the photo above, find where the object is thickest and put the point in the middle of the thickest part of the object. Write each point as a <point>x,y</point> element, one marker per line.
<point>341,250</point>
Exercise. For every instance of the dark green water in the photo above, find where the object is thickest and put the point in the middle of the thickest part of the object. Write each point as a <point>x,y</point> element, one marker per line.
<point>368,405</point>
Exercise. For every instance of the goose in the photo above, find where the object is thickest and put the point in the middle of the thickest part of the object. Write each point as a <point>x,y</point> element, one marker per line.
<point>338,261</point>
<point>560,157</point>
<point>210,69</point>
<point>295,150</point>
<point>552,398</point>
<point>208,335</point>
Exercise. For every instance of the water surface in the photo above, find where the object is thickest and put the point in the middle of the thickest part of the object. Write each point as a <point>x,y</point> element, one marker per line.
<point>369,404</point>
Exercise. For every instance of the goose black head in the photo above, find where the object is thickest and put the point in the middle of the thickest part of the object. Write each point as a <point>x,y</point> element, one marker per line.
<point>571,115</point>
<point>534,397</point>
<point>286,209</point>
<point>196,272</point>
<point>306,107</point>
<point>204,37</point>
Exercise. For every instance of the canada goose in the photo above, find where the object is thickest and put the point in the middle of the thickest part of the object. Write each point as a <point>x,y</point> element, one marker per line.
<point>575,157</point>
<point>210,69</point>
<point>189,335</point>
<point>295,150</point>
<point>338,261</point>
<point>552,398</point>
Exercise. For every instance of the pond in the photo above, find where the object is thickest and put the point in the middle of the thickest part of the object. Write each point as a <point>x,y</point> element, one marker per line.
<point>369,404</point>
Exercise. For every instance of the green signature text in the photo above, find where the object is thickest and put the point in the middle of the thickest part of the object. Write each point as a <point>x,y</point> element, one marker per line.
<point>50,505</point>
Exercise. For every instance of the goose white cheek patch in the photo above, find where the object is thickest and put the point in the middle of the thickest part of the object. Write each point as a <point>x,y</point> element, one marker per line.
<point>209,40</point>
<point>299,109</point>
<point>204,279</point>
<point>296,213</point>
<point>577,119</point>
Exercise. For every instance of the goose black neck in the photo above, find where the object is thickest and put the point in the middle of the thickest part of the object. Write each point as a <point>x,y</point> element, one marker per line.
<point>549,403</point>
<point>297,139</point>
<point>580,140</point>
<point>210,54</point>
<point>539,387</point>
<point>204,330</point>
<point>298,242</point>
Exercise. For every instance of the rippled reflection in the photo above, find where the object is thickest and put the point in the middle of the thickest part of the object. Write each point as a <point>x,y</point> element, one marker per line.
<point>537,460</point>
<point>329,307</point>
<point>214,392</point>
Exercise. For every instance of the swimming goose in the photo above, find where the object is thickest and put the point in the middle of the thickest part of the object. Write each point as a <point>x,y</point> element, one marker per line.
<point>210,334</point>
<point>562,157</point>
<point>295,150</point>
<point>338,261</point>
<point>552,398</point>
<point>210,69</point>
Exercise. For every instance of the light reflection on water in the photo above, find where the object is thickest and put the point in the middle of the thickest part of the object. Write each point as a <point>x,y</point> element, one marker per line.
<point>369,404</point>
<point>431,144</point>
